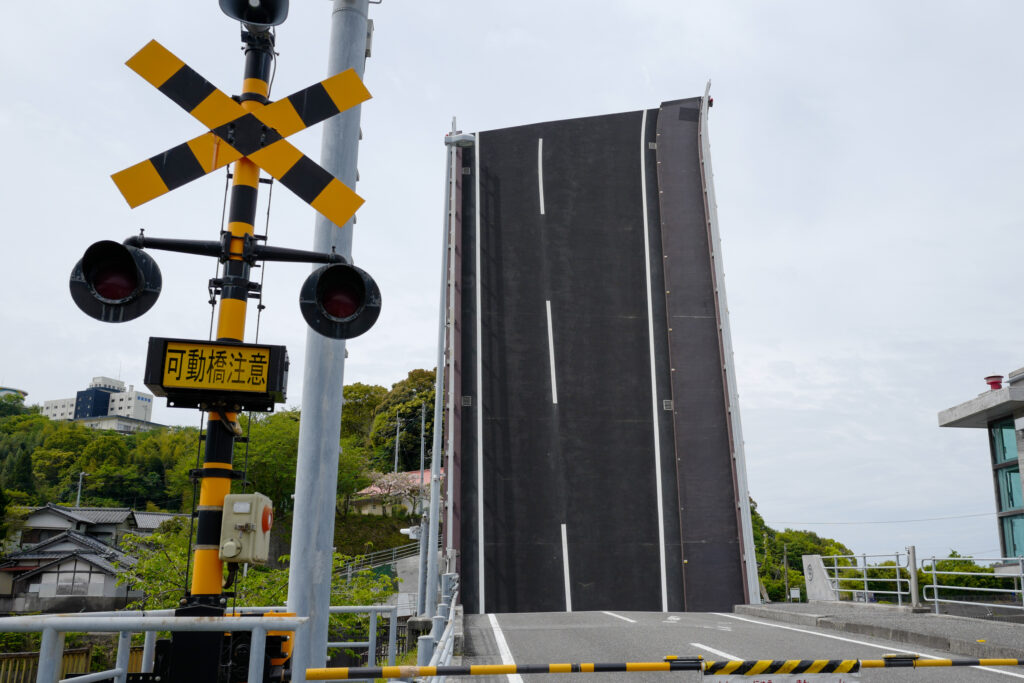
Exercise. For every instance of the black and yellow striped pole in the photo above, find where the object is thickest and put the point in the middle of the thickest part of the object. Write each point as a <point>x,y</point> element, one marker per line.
<point>195,655</point>
<point>235,287</point>
<point>752,667</point>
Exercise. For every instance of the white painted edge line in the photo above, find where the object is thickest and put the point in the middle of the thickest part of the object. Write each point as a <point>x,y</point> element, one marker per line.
<point>654,383</point>
<point>857,642</point>
<point>719,653</point>
<point>619,616</point>
<point>503,650</point>
<point>540,172</point>
<point>551,354</point>
<point>479,395</point>
<point>565,568</point>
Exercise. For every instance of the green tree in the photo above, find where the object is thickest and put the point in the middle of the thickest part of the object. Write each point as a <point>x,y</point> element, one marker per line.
<point>361,402</point>
<point>272,455</point>
<point>52,472</point>
<point>405,401</point>
<point>772,547</point>
<point>159,572</point>
<point>18,473</point>
<point>12,404</point>
<point>353,464</point>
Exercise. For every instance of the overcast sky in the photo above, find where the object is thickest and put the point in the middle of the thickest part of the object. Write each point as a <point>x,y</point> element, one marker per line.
<point>868,165</point>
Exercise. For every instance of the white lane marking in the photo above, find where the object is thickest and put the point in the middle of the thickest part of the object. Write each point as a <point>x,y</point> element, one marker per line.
<point>479,395</point>
<point>540,172</point>
<point>551,354</point>
<point>619,616</point>
<point>857,642</point>
<point>503,649</point>
<point>654,383</point>
<point>565,567</point>
<point>724,655</point>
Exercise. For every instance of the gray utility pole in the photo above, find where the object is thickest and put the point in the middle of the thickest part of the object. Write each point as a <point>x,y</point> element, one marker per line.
<point>421,589</point>
<point>447,253</point>
<point>785,564</point>
<point>398,437</point>
<point>78,499</point>
<point>316,481</point>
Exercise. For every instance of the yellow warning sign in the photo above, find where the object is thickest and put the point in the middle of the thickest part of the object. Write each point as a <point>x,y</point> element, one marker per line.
<point>196,365</point>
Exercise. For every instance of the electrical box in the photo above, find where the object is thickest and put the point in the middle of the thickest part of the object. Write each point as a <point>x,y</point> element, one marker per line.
<point>245,528</point>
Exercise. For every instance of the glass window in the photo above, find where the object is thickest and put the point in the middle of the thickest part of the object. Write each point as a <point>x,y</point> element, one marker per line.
<point>1013,535</point>
<point>1009,488</point>
<point>1004,440</point>
<point>72,583</point>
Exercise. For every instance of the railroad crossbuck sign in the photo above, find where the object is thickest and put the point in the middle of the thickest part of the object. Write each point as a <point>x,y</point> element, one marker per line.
<point>236,132</point>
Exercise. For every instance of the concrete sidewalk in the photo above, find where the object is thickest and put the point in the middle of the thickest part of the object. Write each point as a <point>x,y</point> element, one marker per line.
<point>962,636</point>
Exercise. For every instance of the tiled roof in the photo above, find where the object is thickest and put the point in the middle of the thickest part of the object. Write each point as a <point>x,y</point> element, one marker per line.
<point>62,511</point>
<point>149,521</point>
<point>102,515</point>
<point>93,559</point>
<point>88,515</point>
<point>89,545</point>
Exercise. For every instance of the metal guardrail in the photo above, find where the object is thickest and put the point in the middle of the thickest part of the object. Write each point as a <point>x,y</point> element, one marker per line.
<point>380,558</point>
<point>443,632</point>
<point>127,623</point>
<point>861,580</point>
<point>1015,574</point>
<point>433,650</point>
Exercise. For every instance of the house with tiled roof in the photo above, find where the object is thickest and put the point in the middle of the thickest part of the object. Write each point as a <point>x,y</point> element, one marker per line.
<point>66,573</point>
<point>66,559</point>
<point>105,524</point>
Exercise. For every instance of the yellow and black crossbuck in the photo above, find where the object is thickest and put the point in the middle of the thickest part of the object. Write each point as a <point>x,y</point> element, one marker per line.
<point>235,132</point>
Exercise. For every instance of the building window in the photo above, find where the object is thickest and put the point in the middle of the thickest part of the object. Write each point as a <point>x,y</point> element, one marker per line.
<point>1004,441</point>
<point>1008,483</point>
<point>73,583</point>
<point>1013,535</point>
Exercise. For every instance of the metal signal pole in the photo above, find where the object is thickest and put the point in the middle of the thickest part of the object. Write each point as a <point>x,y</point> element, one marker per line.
<point>312,549</point>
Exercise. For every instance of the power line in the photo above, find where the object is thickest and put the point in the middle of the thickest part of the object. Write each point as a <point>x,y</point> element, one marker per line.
<point>891,521</point>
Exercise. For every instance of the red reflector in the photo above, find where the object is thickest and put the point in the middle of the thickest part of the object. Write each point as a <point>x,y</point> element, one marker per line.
<point>340,303</point>
<point>113,283</point>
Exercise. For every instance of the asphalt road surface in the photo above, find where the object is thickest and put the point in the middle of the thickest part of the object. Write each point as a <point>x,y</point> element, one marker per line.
<point>544,638</point>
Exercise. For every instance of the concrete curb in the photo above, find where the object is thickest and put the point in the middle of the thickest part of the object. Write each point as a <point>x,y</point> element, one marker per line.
<point>905,635</point>
<point>458,633</point>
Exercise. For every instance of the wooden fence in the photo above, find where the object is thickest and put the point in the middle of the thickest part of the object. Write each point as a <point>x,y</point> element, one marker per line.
<point>20,667</point>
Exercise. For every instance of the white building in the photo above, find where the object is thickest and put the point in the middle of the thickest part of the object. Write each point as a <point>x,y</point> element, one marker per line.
<point>105,397</point>
<point>59,409</point>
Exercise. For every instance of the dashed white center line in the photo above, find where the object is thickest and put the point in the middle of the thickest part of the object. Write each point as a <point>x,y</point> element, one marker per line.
<point>540,172</point>
<point>551,354</point>
<point>565,567</point>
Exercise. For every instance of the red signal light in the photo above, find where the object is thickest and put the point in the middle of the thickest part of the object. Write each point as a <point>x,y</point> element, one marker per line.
<point>340,301</point>
<point>115,282</point>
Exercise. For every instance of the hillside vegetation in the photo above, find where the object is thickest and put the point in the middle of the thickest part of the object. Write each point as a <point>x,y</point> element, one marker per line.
<point>44,460</point>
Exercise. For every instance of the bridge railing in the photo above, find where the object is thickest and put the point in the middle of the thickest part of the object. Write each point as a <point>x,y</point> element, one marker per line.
<point>127,623</point>
<point>956,584</point>
<point>436,648</point>
<point>887,575</point>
